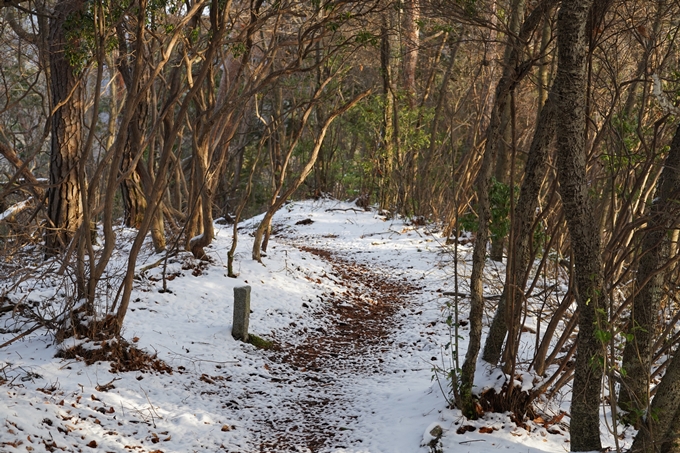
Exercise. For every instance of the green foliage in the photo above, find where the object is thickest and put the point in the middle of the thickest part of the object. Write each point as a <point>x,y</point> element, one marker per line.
<point>238,49</point>
<point>365,37</point>
<point>604,336</point>
<point>469,6</point>
<point>80,40</point>
<point>672,85</point>
<point>626,131</point>
<point>499,226</point>
<point>627,128</point>
<point>499,199</point>
<point>468,222</point>
<point>81,34</point>
<point>540,237</point>
<point>412,134</point>
<point>194,35</point>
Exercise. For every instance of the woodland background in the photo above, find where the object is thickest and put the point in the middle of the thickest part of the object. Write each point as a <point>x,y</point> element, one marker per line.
<point>548,128</point>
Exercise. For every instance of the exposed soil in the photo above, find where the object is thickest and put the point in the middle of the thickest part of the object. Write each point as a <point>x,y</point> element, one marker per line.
<point>358,326</point>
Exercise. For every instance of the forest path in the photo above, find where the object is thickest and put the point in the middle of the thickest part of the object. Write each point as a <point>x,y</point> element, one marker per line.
<point>314,411</point>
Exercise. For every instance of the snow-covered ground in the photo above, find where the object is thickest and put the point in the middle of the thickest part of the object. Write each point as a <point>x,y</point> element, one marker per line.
<point>375,392</point>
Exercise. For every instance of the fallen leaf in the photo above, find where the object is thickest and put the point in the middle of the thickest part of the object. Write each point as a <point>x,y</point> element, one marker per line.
<point>556,419</point>
<point>465,429</point>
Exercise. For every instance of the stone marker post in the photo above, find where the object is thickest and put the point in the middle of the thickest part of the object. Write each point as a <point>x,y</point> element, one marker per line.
<point>241,313</point>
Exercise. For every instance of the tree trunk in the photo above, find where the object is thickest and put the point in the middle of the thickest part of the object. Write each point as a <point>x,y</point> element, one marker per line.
<point>637,354</point>
<point>279,201</point>
<point>544,67</point>
<point>505,139</point>
<point>386,157</point>
<point>569,90</point>
<point>512,75</point>
<point>64,209</point>
<point>659,426</point>
<point>672,443</point>
<point>134,202</point>
<point>411,45</point>
<point>139,181</point>
<point>523,219</point>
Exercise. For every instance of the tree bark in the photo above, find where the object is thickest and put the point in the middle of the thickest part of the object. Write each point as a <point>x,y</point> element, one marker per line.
<point>660,425</point>
<point>411,46</point>
<point>386,156</point>
<point>64,209</point>
<point>569,90</point>
<point>637,354</point>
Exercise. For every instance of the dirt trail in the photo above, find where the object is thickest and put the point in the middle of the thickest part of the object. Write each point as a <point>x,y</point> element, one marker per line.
<point>358,326</point>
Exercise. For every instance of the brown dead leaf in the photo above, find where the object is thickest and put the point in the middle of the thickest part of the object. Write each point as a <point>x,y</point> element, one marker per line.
<point>226,428</point>
<point>92,444</point>
<point>205,378</point>
<point>556,419</point>
<point>486,430</point>
<point>465,428</point>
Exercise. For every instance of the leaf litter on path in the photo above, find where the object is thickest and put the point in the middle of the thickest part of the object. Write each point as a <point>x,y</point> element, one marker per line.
<point>357,327</point>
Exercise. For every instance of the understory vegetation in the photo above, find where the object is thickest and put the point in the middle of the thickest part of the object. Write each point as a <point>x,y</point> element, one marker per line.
<point>545,133</point>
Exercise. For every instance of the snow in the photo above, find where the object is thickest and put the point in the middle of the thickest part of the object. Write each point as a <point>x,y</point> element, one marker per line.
<point>225,395</point>
<point>15,208</point>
